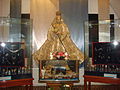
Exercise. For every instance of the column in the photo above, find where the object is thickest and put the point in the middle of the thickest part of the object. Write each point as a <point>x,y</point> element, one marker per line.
<point>103,14</point>
<point>15,27</point>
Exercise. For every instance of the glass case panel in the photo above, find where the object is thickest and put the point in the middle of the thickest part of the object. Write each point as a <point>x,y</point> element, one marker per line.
<point>59,70</point>
<point>15,48</point>
<point>103,51</point>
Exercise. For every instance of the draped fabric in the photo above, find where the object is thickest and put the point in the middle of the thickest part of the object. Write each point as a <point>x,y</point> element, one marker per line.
<point>42,12</point>
<point>58,39</point>
<point>75,13</point>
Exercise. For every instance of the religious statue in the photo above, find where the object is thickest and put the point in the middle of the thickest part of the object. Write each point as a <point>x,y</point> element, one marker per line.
<point>58,41</point>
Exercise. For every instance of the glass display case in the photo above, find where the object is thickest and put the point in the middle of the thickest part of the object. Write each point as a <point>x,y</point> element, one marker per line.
<point>102,48</point>
<point>59,70</point>
<point>15,48</point>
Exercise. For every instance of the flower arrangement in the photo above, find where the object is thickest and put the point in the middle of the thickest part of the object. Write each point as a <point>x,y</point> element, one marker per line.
<point>59,55</point>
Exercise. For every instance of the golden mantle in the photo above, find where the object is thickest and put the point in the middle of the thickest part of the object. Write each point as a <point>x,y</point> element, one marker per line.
<point>58,39</point>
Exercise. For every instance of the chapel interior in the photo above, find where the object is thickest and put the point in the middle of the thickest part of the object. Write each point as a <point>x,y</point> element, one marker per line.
<point>59,45</point>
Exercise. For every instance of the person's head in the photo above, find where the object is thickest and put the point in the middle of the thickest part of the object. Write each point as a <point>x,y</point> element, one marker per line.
<point>58,15</point>
<point>57,20</point>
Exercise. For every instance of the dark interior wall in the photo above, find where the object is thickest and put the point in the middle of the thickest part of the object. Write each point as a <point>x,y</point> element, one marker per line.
<point>15,8</point>
<point>15,28</point>
<point>75,13</point>
<point>94,30</point>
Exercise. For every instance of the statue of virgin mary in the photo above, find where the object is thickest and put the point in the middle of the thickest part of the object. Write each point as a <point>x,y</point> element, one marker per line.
<point>58,40</point>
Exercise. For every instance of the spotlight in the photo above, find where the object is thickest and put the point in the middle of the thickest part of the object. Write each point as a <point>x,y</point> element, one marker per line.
<point>115,43</point>
<point>3,44</point>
